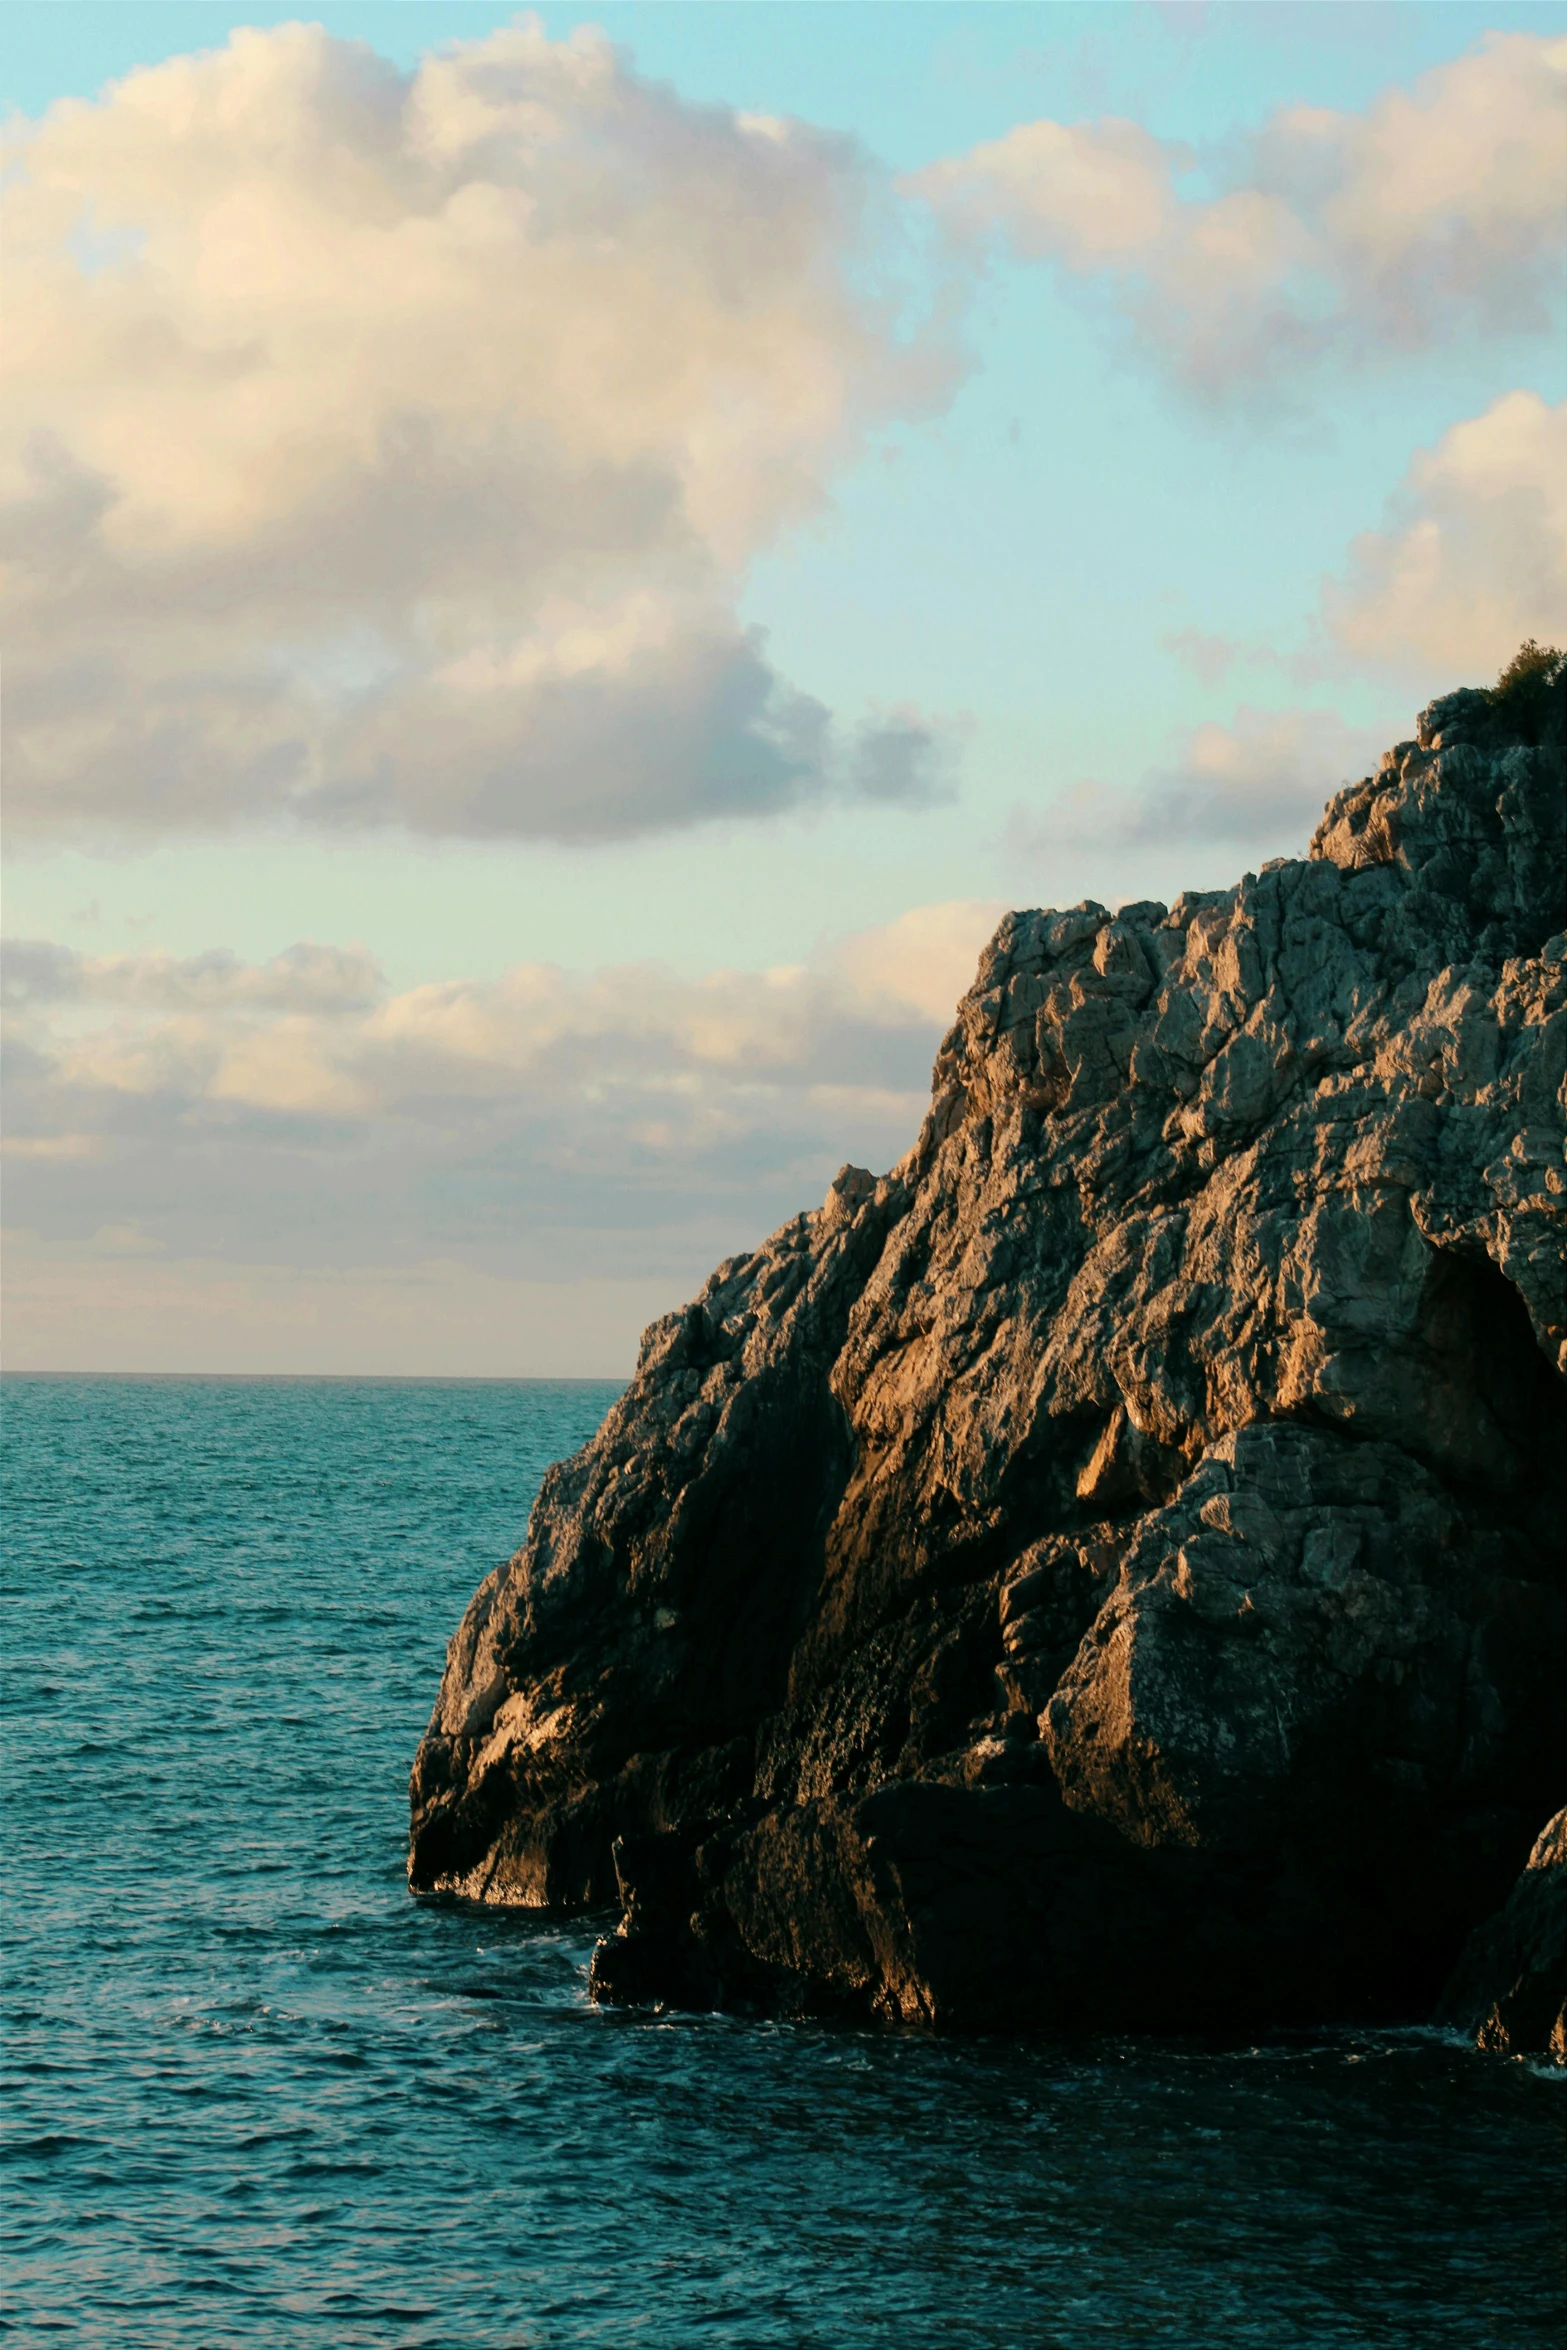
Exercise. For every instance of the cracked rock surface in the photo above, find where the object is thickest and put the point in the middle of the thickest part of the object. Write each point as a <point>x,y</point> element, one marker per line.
<point>1110,1568</point>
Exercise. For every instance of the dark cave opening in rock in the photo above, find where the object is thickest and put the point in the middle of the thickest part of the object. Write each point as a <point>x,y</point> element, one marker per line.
<point>1487,1362</point>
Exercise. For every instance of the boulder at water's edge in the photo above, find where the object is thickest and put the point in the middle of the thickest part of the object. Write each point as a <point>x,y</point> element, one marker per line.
<point>1510,1987</point>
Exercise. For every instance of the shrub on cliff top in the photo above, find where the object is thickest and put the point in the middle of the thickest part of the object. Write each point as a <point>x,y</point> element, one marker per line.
<point>1529,698</point>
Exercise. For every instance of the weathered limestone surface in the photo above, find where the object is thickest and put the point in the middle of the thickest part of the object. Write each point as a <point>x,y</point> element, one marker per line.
<point>1109,1568</point>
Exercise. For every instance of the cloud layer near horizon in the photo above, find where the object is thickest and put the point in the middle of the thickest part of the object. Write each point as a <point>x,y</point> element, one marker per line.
<point>626,1126</point>
<point>391,448</point>
<point>1433,214</point>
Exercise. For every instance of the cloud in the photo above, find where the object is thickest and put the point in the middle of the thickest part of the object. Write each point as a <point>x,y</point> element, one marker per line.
<point>305,978</point>
<point>1473,555</point>
<point>1257,786</point>
<point>924,960</point>
<point>1210,658</point>
<point>1091,194</point>
<point>391,448</point>
<point>627,1125</point>
<point>906,761</point>
<point>1434,214</point>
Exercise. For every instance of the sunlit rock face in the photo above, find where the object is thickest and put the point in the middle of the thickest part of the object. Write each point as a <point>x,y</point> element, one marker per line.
<point>1110,1568</point>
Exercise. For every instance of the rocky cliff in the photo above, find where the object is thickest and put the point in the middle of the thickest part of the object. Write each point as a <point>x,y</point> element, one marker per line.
<point>1108,1569</point>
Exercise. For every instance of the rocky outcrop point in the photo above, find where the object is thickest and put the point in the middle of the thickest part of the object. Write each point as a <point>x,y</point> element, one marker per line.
<point>1109,1569</point>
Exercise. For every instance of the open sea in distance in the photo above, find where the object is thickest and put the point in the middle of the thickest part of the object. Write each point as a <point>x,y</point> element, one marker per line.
<point>255,2094</point>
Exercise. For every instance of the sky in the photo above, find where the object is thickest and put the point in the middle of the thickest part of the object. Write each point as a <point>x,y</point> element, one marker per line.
<point>562,570</point>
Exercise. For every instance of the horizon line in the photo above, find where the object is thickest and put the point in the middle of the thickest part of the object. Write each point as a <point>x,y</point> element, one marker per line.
<point>423,1378</point>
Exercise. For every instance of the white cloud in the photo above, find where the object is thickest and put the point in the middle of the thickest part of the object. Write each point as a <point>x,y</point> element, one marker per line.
<point>1091,194</point>
<point>627,1126</point>
<point>1473,556</point>
<point>392,448</point>
<point>1434,213</point>
<point>924,960</point>
<point>1257,786</point>
<point>314,1029</point>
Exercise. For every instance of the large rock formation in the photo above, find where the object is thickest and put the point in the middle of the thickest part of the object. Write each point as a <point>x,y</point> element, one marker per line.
<point>1109,1568</point>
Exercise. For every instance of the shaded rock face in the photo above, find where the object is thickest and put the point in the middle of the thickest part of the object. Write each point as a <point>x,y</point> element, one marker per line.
<point>1109,1568</point>
<point>1510,1987</point>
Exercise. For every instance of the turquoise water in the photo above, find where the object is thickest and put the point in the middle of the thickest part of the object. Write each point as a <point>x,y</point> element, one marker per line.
<point>254,2094</point>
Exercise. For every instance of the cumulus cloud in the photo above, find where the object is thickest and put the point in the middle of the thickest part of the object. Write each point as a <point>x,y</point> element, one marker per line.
<point>1256,786</point>
<point>1435,212</point>
<point>391,447</point>
<point>923,961</point>
<point>624,1125</point>
<point>1473,555</point>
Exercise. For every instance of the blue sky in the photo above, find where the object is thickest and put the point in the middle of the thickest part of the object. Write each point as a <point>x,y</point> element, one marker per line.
<point>1085,533</point>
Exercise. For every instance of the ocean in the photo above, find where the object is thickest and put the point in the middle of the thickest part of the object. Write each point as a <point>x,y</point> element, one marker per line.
<point>255,2094</point>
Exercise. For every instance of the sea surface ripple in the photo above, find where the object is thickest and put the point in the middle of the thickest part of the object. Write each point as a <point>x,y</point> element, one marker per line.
<point>254,2094</point>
